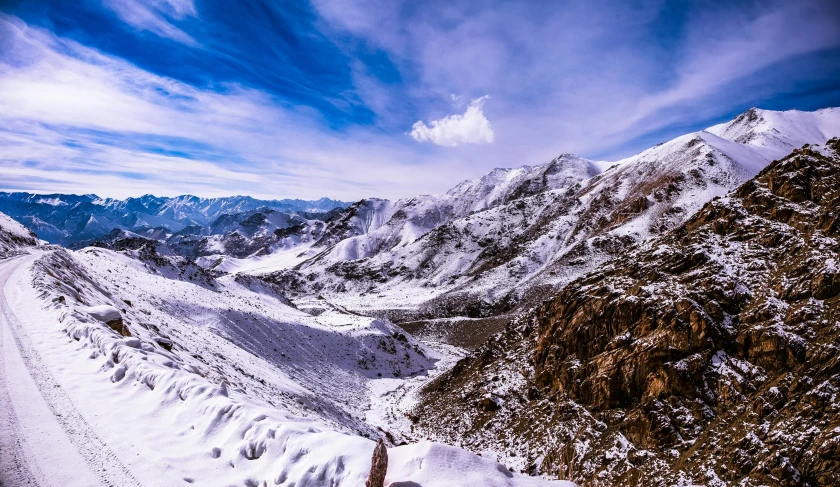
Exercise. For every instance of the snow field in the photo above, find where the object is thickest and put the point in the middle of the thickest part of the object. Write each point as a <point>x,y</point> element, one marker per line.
<point>172,420</point>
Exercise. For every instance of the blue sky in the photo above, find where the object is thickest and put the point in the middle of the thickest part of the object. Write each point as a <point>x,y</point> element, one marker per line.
<point>351,99</point>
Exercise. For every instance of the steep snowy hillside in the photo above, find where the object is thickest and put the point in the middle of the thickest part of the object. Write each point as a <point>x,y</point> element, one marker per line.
<point>69,219</point>
<point>706,356</point>
<point>512,237</point>
<point>13,236</point>
<point>260,239</point>
<point>142,369</point>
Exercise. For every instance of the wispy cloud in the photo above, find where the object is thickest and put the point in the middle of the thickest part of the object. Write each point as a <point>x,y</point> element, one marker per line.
<point>155,16</point>
<point>294,100</point>
<point>76,120</point>
<point>471,127</point>
<point>575,79</point>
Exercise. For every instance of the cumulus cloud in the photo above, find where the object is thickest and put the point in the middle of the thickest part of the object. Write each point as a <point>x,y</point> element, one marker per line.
<point>470,128</point>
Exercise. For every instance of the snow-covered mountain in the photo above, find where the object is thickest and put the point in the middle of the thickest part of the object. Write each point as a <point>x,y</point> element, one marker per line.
<point>13,236</point>
<point>381,226</point>
<point>513,236</point>
<point>484,248</point>
<point>707,355</point>
<point>232,342</point>
<point>69,219</point>
<point>247,235</point>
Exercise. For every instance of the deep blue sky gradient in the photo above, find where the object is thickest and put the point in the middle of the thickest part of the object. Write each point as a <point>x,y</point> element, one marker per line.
<point>348,80</point>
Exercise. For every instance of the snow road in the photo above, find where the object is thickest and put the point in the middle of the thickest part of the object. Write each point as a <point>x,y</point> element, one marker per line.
<point>35,411</point>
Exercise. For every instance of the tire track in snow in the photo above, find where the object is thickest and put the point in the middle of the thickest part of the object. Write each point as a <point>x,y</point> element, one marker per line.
<point>15,470</point>
<point>96,453</point>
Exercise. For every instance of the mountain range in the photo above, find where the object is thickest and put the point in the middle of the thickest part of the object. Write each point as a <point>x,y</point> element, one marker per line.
<point>505,241</point>
<point>667,319</point>
<point>69,219</point>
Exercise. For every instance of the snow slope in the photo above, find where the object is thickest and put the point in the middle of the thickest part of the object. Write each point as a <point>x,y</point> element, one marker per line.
<point>180,379</point>
<point>13,236</point>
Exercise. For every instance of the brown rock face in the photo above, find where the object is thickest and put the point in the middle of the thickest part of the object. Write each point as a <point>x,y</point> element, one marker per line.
<point>379,466</point>
<point>709,354</point>
<point>118,326</point>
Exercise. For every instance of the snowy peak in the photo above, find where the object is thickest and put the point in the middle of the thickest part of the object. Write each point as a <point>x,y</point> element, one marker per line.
<point>780,131</point>
<point>504,185</point>
<point>69,219</point>
<point>504,240</point>
<point>377,227</point>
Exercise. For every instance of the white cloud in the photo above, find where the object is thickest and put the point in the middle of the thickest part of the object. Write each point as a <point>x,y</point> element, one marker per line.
<point>470,128</point>
<point>74,120</point>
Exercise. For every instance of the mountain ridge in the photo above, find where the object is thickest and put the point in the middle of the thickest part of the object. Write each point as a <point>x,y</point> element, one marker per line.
<point>708,353</point>
<point>515,243</point>
<point>489,245</point>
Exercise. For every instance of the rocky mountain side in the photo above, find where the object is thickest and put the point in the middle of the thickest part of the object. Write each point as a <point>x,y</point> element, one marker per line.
<point>708,354</point>
<point>372,227</point>
<point>70,219</point>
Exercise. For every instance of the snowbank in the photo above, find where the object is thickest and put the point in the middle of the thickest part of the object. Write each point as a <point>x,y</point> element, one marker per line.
<point>175,426</point>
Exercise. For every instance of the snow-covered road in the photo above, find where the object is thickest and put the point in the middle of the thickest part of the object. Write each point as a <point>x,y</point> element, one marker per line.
<point>44,440</point>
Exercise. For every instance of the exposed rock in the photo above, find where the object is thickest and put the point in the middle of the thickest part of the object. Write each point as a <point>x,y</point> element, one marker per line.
<point>488,403</point>
<point>119,326</point>
<point>378,466</point>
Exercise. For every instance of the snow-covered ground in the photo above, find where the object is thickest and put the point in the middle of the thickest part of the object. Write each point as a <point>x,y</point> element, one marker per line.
<point>124,372</point>
<point>284,258</point>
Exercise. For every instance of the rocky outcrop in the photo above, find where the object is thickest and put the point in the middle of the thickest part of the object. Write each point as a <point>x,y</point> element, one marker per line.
<point>378,466</point>
<point>706,355</point>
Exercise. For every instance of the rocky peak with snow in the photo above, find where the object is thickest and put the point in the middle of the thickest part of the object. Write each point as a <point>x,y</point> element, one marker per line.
<point>707,355</point>
<point>502,186</point>
<point>509,239</point>
<point>780,131</point>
